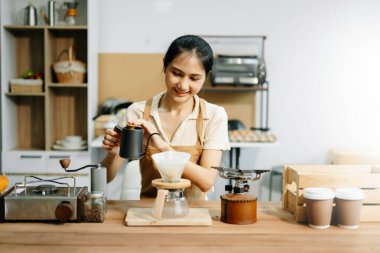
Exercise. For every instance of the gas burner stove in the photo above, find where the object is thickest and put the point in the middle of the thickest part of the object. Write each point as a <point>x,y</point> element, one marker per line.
<point>241,178</point>
<point>239,207</point>
<point>43,202</point>
<point>231,173</point>
<point>44,189</point>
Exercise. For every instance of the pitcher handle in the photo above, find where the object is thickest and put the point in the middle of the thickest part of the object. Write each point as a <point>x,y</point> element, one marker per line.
<point>159,203</point>
<point>147,142</point>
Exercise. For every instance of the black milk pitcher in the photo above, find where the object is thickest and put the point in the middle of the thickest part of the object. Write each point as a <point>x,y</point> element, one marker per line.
<point>131,142</point>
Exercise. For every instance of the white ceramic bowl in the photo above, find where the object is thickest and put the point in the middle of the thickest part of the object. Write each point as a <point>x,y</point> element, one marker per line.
<point>73,140</point>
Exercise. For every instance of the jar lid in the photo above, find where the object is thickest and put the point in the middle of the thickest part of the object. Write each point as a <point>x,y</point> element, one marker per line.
<point>94,194</point>
<point>318,193</point>
<point>349,193</point>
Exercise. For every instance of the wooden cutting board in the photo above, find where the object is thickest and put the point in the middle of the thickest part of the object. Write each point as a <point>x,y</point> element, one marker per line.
<point>143,217</point>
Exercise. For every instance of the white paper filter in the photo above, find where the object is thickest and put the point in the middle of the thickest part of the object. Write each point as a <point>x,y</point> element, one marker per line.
<point>171,164</point>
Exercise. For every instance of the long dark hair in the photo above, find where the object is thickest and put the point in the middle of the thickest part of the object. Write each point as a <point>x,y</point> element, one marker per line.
<point>189,43</point>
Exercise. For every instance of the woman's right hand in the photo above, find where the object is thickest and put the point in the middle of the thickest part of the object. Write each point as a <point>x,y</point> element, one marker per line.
<point>111,141</point>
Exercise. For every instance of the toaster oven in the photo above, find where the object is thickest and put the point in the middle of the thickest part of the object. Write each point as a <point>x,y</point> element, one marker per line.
<point>235,70</point>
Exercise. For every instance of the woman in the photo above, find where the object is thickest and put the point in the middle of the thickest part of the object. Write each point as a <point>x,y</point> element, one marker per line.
<point>183,121</point>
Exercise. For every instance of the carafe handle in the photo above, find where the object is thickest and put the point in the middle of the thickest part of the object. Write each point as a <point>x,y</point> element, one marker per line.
<point>159,203</point>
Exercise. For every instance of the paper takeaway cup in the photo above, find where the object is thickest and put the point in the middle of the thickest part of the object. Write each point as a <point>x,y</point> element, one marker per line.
<point>319,205</point>
<point>348,207</point>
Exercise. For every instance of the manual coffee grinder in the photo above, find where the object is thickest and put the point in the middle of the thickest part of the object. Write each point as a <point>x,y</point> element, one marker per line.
<point>98,175</point>
<point>239,207</point>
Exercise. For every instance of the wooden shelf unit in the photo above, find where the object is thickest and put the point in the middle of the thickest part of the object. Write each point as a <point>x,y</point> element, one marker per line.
<point>40,119</point>
<point>32,122</point>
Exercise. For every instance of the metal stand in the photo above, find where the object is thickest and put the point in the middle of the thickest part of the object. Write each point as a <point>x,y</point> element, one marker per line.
<point>264,109</point>
<point>234,163</point>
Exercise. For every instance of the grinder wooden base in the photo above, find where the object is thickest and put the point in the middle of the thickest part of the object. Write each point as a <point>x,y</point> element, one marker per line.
<point>238,208</point>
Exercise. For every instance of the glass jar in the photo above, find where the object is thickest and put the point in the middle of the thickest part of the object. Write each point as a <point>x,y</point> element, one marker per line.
<point>94,207</point>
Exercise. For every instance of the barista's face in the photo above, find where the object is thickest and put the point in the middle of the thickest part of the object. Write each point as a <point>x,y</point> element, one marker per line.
<point>184,77</point>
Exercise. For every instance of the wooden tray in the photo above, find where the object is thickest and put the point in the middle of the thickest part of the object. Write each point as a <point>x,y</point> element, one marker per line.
<point>298,177</point>
<point>143,217</point>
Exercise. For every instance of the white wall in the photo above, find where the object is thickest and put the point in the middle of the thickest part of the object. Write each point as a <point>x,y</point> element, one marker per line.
<point>323,59</point>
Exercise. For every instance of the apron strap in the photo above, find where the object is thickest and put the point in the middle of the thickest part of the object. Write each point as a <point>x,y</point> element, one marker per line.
<point>200,122</point>
<point>148,106</point>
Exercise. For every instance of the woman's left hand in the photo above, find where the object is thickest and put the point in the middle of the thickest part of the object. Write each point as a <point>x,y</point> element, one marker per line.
<point>149,128</point>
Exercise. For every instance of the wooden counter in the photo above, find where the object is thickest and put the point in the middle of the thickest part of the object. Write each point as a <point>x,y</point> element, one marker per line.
<point>275,231</point>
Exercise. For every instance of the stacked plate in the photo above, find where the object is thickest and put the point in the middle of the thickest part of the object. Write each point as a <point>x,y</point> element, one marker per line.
<point>71,142</point>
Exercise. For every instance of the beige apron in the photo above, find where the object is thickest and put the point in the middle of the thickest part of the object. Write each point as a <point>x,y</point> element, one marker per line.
<point>149,171</point>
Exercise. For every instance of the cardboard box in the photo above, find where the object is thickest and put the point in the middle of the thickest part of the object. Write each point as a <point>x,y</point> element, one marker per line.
<point>298,177</point>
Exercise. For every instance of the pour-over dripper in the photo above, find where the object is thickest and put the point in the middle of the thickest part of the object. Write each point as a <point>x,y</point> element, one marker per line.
<point>171,164</point>
<point>170,201</point>
<point>71,12</point>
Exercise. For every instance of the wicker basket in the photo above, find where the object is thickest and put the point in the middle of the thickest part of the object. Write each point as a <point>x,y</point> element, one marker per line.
<point>70,77</point>
<point>70,71</point>
<point>26,86</point>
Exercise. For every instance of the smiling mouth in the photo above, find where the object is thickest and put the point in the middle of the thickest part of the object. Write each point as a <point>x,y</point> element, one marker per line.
<point>181,93</point>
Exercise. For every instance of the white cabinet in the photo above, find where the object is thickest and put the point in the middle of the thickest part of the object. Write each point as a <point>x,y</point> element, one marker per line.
<point>33,120</point>
<point>23,162</point>
<point>17,164</point>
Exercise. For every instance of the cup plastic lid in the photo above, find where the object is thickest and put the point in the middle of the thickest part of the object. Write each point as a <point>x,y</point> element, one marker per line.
<point>318,193</point>
<point>349,193</point>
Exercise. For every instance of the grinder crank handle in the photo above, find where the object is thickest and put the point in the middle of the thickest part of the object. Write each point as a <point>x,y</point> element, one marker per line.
<point>66,162</point>
<point>84,167</point>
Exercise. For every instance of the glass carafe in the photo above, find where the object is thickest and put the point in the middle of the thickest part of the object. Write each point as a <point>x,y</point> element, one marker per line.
<point>173,204</point>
